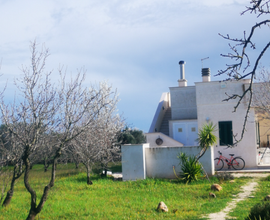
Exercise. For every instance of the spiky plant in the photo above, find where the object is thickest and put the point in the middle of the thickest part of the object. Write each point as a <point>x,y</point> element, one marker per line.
<point>206,138</point>
<point>190,169</point>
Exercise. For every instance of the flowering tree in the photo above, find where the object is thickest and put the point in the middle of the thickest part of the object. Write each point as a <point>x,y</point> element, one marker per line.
<point>99,143</point>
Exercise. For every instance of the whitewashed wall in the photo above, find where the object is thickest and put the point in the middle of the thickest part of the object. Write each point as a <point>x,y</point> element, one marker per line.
<point>210,105</point>
<point>167,141</point>
<point>158,162</point>
<point>133,161</point>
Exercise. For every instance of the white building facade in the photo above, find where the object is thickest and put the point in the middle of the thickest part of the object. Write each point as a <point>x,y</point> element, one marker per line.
<point>185,109</point>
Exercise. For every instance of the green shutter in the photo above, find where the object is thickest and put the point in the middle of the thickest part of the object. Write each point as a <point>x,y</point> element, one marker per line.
<point>225,133</point>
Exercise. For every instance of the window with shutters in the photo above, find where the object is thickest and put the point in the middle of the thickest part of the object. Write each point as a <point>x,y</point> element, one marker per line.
<point>225,133</point>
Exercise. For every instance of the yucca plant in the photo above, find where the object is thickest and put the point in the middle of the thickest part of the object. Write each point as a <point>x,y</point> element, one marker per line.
<point>191,170</point>
<point>206,138</point>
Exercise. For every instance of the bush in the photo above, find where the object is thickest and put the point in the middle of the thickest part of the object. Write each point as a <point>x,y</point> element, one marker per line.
<point>261,211</point>
<point>190,169</point>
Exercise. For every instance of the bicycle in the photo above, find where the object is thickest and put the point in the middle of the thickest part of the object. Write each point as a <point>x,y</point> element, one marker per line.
<point>237,163</point>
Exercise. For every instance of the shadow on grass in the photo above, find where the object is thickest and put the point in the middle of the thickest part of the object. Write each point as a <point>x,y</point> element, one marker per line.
<point>83,179</point>
<point>68,173</point>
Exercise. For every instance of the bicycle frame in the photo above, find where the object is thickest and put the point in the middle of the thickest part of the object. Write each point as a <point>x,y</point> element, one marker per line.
<point>227,160</point>
<point>237,163</point>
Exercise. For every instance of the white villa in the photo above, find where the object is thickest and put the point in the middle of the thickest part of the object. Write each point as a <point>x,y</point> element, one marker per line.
<point>185,109</point>
<point>179,115</point>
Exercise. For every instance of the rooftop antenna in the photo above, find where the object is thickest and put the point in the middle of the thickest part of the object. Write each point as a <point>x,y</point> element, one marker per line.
<point>203,60</point>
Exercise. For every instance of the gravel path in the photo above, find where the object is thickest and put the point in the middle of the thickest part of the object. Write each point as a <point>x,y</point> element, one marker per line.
<point>247,190</point>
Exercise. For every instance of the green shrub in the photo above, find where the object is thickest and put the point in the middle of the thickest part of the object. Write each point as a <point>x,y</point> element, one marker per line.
<point>190,169</point>
<point>261,211</point>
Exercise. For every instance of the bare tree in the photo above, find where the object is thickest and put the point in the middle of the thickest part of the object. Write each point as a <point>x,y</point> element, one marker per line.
<point>242,67</point>
<point>98,143</point>
<point>45,108</point>
<point>111,126</point>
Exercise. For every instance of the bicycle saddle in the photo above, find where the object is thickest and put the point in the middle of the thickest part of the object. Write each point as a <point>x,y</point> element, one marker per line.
<point>231,155</point>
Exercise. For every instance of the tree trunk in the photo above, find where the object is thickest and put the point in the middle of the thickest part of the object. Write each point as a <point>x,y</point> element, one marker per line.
<point>21,166</point>
<point>8,198</point>
<point>45,165</point>
<point>10,192</point>
<point>89,182</point>
<point>36,209</point>
<point>32,215</point>
<point>201,154</point>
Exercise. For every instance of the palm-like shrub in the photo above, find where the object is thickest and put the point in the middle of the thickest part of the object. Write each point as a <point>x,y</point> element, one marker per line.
<point>191,170</point>
<point>206,138</point>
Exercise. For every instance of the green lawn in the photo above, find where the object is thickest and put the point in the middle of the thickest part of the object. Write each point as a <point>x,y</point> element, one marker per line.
<point>72,198</point>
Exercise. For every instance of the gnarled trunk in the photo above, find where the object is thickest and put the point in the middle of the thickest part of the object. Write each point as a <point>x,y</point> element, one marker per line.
<point>8,198</point>
<point>32,215</point>
<point>14,178</point>
<point>36,208</point>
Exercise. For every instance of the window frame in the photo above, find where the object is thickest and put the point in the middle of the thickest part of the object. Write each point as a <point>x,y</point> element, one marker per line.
<point>225,133</point>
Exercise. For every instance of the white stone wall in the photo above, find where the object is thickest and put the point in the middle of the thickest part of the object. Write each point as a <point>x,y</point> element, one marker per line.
<point>160,161</point>
<point>133,161</point>
<point>210,104</point>
<point>141,161</point>
<point>167,141</point>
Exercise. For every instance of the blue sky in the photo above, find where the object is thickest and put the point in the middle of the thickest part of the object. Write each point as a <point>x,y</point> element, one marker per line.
<point>135,45</point>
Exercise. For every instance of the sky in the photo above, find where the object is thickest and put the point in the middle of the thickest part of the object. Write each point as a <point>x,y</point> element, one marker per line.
<point>134,45</point>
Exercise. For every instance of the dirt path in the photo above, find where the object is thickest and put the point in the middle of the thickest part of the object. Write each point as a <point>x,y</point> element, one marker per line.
<point>246,192</point>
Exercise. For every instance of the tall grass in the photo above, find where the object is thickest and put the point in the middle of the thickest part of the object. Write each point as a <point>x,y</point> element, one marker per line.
<point>72,198</point>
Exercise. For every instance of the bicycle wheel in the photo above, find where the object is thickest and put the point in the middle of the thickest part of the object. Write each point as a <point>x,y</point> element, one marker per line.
<point>238,163</point>
<point>219,163</point>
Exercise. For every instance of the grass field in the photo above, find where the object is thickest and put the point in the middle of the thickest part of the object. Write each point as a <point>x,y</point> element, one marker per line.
<point>72,198</point>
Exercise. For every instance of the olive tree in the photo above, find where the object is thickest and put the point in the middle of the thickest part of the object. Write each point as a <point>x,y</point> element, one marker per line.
<point>46,108</point>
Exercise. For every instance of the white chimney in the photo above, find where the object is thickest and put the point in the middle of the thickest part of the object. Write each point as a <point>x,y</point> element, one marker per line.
<point>182,82</point>
<point>206,75</point>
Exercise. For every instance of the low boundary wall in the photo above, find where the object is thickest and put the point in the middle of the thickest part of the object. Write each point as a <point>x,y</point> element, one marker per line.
<point>140,161</point>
